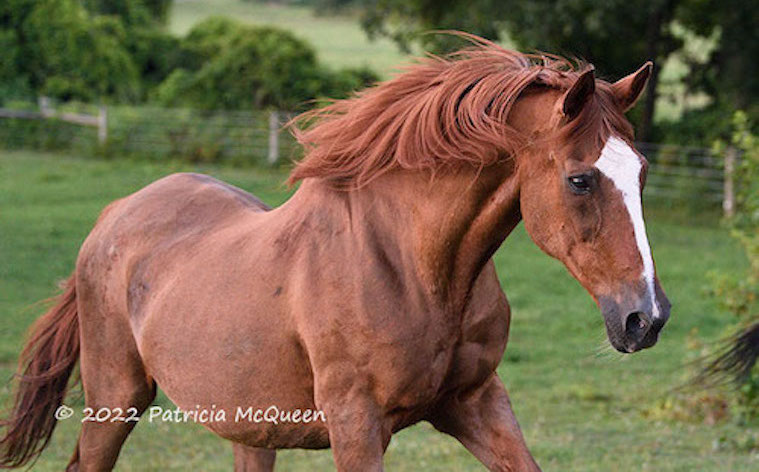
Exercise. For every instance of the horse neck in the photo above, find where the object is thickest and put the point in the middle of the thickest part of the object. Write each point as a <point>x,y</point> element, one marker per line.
<point>441,230</point>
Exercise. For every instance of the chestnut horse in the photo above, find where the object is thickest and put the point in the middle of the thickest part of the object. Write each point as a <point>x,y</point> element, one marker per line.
<point>370,296</point>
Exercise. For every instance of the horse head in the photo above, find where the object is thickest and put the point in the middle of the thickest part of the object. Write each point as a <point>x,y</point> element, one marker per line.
<point>580,195</point>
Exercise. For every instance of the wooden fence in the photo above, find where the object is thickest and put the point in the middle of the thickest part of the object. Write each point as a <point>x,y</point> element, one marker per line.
<point>199,135</point>
<point>47,112</point>
<point>676,173</point>
<point>685,172</point>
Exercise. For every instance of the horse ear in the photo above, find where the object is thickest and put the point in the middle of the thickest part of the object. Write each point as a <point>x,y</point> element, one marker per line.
<point>627,90</point>
<point>577,96</point>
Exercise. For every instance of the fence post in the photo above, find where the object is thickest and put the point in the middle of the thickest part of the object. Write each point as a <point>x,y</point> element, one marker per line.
<point>728,200</point>
<point>273,137</point>
<point>102,124</point>
<point>44,104</point>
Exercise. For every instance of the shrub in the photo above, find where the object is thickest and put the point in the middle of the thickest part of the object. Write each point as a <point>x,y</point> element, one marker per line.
<point>227,65</point>
<point>703,398</point>
<point>58,49</point>
<point>92,50</point>
<point>155,54</point>
<point>739,293</point>
<point>137,12</point>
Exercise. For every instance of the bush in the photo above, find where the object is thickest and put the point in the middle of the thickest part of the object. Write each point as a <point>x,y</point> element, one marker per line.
<point>155,54</point>
<point>739,293</point>
<point>92,50</point>
<point>115,51</point>
<point>227,65</point>
<point>704,398</point>
<point>132,12</point>
<point>696,127</point>
<point>56,48</point>
<point>13,83</point>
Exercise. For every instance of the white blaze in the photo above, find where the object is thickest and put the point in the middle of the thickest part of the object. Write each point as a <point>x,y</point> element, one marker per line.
<point>622,166</point>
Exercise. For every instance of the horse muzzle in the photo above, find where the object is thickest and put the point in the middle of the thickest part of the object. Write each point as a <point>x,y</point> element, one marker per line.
<point>635,317</point>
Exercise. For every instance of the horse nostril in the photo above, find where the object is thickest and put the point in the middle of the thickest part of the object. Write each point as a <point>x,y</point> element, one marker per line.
<point>636,325</point>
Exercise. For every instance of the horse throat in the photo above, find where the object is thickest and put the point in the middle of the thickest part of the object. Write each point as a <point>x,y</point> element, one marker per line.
<point>438,232</point>
<point>465,228</point>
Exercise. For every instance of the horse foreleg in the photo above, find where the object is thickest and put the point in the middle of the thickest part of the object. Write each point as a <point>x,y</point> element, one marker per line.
<point>253,459</point>
<point>356,433</point>
<point>484,423</point>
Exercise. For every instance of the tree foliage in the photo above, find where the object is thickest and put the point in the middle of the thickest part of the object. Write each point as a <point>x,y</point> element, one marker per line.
<point>131,12</point>
<point>90,50</point>
<point>151,48</point>
<point>57,48</point>
<point>732,74</point>
<point>616,35</point>
<point>118,50</point>
<point>229,65</point>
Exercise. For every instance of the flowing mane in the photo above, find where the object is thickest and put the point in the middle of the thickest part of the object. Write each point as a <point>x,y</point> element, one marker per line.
<point>449,110</point>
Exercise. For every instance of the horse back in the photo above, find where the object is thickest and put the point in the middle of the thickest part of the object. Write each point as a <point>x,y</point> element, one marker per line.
<point>176,203</point>
<point>164,223</point>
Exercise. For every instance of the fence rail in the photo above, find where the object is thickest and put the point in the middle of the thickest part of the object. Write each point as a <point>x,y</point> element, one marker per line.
<point>676,173</point>
<point>46,112</point>
<point>686,172</point>
<point>204,136</point>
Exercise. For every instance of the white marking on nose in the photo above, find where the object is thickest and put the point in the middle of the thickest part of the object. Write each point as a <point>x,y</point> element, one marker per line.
<point>622,166</point>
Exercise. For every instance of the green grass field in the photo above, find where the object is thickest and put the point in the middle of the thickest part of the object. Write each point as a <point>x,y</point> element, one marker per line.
<point>580,410</point>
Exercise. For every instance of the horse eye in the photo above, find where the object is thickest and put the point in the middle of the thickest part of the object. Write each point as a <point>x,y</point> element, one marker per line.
<point>580,184</point>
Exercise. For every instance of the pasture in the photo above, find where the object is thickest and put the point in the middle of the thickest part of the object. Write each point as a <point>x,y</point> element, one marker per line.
<point>581,406</point>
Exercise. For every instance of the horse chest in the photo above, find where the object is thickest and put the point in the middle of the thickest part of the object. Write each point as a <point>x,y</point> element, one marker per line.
<point>483,334</point>
<point>423,378</point>
<point>464,356</point>
<point>477,353</point>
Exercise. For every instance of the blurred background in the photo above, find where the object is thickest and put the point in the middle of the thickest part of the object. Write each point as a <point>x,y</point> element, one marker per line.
<point>101,97</point>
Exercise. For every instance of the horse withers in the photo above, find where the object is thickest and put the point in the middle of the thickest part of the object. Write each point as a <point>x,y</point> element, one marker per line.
<point>370,297</point>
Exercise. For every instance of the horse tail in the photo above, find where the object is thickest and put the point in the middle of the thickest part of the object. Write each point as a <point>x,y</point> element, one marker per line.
<point>45,366</point>
<point>734,361</point>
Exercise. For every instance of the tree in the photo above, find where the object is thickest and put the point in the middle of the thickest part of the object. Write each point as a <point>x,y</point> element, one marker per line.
<point>15,79</point>
<point>153,50</point>
<point>731,76</point>
<point>85,50</point>
<point>229,65</point>
<point>57,48</point>
<point>131,11</point>
<point>615,35</point>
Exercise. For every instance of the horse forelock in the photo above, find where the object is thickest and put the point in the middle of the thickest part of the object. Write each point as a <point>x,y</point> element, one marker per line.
<point>442,111</point>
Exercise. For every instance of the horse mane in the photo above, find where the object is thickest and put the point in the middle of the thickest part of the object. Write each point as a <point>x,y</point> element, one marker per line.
<point>442,110</point>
